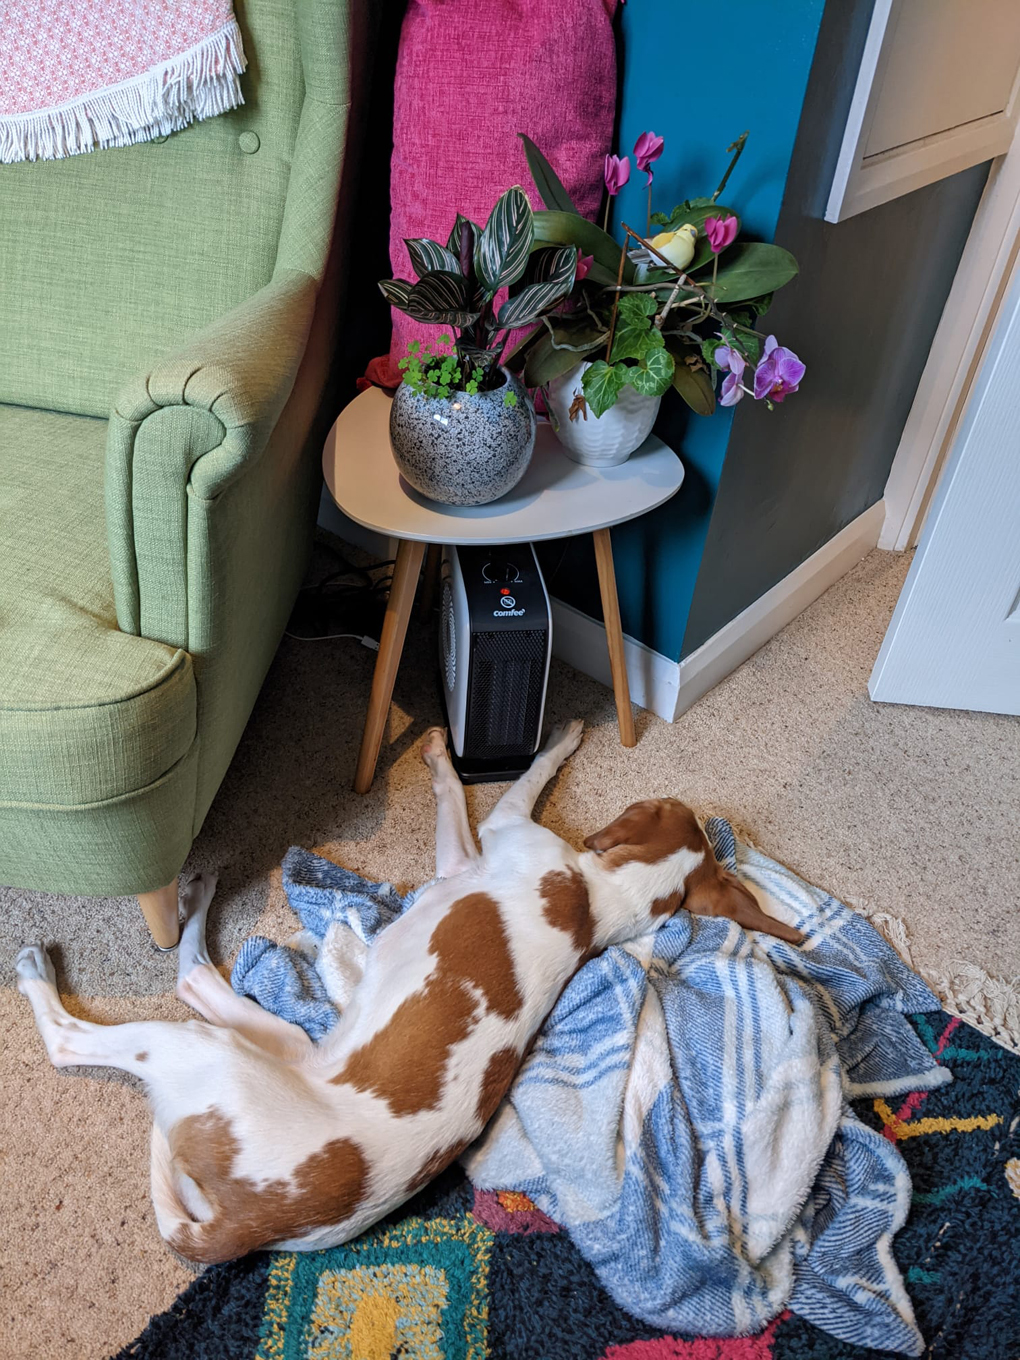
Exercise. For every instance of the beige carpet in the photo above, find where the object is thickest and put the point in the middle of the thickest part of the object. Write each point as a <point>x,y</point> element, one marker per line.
<point>909,812</point>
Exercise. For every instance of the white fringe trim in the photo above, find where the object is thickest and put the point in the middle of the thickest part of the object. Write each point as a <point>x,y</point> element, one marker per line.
<point>196,84</point>
<point>990,1004</point>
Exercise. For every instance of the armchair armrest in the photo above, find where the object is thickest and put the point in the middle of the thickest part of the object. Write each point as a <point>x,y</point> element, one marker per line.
<point>189,428</point>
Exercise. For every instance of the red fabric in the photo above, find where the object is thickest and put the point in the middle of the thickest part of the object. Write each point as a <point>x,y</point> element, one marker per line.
<point>469,78</point>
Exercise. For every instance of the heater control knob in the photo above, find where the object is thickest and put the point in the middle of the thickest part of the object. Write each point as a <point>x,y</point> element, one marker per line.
<point>500,572</point>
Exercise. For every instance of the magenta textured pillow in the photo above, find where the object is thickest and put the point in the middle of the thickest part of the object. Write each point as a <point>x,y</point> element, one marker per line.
<point>471,76</point>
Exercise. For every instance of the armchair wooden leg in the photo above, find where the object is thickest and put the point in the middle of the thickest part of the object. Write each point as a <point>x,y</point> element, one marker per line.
<point>160,911</point>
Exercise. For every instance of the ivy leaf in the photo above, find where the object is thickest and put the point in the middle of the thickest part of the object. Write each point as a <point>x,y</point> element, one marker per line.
<point>635,342</point>
<point>601,384</point>
<point>427,256</point>
<point>760,305</point>
<point>635,308</point>
<point>547,182</point>
<point>505,243</point>
<point>652,377</point>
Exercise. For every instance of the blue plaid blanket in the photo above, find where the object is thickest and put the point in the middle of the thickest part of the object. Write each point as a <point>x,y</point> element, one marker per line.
<point>684,1113</point>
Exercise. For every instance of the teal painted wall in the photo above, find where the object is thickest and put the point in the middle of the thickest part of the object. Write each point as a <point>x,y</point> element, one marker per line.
<point>698,80</point>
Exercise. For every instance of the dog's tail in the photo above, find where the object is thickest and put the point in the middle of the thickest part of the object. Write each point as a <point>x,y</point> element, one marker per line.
<point>184,1216</point>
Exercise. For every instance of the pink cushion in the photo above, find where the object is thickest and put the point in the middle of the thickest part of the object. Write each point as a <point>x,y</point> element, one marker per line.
<point>471,76</point>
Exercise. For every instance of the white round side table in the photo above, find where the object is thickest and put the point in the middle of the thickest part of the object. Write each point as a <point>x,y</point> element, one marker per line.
<point>556,498</point>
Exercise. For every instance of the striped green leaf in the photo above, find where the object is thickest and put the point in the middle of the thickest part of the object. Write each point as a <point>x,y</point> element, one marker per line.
<point>441,298</point>
<point>549,279</point>
<point>427,256</point>
<point>396,291</point>
<point>453,244</point>
<point>505,244</point>
<point>547,182</point>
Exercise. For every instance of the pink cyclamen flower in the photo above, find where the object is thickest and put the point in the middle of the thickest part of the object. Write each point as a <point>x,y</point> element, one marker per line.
<point>648,148</point>
<point>617,173</point>
<point>584,263</point>
<point>778,374</point>
<point>731,361</point>
<point>721,232</point>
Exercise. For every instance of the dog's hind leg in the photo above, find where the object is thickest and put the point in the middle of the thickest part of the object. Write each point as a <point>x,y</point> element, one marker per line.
<point>455,845</point>
<point>201,985</point>
<point>519,800</point>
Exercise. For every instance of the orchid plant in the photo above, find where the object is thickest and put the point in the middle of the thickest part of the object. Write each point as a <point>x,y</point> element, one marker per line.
<point>677,308</point>
<point>482,284</point>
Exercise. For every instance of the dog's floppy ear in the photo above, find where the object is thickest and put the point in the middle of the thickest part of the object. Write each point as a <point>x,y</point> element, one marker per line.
<point>723,894</point>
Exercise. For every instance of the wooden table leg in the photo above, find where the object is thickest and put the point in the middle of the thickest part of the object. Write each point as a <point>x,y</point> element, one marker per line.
<point>430,582</point>
<point>160,911</point>
<point>614,635</point>
<point>391,644</point>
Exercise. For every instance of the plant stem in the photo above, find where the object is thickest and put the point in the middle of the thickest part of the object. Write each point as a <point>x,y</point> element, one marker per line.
<point>605,215</point>
<point>648,223</point>
<point>736,147</point>
<point>616,298</point>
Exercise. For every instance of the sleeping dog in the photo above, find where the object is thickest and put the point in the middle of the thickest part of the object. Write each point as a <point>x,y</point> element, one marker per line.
<point>263,1139</point>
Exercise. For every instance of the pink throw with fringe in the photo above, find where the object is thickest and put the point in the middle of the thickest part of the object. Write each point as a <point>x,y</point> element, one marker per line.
<point>75,77</point>
<point>469,79</point>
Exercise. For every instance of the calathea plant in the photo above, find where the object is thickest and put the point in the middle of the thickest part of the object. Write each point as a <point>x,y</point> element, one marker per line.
<point>461,286</point>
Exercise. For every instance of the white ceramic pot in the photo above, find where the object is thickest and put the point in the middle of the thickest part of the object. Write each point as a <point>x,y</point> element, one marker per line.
<point>611,438</point>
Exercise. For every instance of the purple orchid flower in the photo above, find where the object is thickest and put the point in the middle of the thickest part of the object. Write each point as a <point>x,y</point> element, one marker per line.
<point>617,173</point>
<point>778,374</point>
<point>648,148</point>
<point>721,232</point>
<point>731,361</point>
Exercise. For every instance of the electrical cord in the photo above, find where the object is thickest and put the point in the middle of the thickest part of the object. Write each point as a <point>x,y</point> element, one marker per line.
<point>365,640</point>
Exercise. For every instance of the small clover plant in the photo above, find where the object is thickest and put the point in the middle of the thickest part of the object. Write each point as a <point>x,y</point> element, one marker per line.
<point>436,370</point>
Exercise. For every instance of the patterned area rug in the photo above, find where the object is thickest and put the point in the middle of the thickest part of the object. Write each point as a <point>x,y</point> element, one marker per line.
<point>465,1275</point>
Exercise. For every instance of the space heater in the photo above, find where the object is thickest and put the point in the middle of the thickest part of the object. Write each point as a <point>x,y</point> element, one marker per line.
<point>495,640</point>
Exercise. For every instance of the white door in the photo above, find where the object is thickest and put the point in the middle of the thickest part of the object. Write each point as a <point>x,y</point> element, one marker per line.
<point>954,640</point>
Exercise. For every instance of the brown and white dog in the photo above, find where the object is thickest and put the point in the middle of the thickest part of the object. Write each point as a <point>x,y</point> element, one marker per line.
<point>262,1138</point>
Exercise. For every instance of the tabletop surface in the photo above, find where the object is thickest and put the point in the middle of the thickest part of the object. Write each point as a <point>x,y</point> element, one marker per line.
<point>554,498</point>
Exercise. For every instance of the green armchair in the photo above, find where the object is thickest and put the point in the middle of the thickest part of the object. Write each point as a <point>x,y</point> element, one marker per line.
<point>165,324</point>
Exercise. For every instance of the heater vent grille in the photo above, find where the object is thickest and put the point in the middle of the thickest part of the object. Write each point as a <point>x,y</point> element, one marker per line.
<point>505,698</point>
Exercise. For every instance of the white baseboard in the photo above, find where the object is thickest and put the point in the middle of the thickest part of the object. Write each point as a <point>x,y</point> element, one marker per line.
<point>742,636</point>
<point>668,689</point>
<point>580,641</point>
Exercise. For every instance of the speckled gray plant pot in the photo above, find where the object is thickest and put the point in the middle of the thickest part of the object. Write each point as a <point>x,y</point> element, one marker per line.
<point>463,449</point>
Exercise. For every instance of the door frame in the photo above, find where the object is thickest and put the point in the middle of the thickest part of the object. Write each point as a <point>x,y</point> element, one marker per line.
<point>956,353</point>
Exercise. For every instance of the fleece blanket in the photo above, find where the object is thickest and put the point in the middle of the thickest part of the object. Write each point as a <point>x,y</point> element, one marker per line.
<point>684,1112</point>
<point>74,77</point>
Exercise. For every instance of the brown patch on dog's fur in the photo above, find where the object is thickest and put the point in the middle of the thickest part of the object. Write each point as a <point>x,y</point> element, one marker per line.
<point>500,1072</point>
<point>437,1162</point>
<point>141,1057</point>
<point>324,1190</point>
<point>666,906</point>
<point>647,833</point>
<point>405,1061</point>
<point>651,831</point>
<point>567,907</point>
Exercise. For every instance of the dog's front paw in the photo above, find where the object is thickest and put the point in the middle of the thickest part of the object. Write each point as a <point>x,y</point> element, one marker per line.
<point>565,737</point>
<point>33,965</point>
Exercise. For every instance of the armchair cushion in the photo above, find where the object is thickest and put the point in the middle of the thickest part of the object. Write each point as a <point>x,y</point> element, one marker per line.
<point>87,713</point>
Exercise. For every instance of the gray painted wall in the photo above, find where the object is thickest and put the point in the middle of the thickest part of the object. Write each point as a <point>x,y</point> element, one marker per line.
<point>862,316</point>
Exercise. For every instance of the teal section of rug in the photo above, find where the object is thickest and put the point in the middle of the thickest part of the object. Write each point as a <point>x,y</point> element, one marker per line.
<point>466,1275</point>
